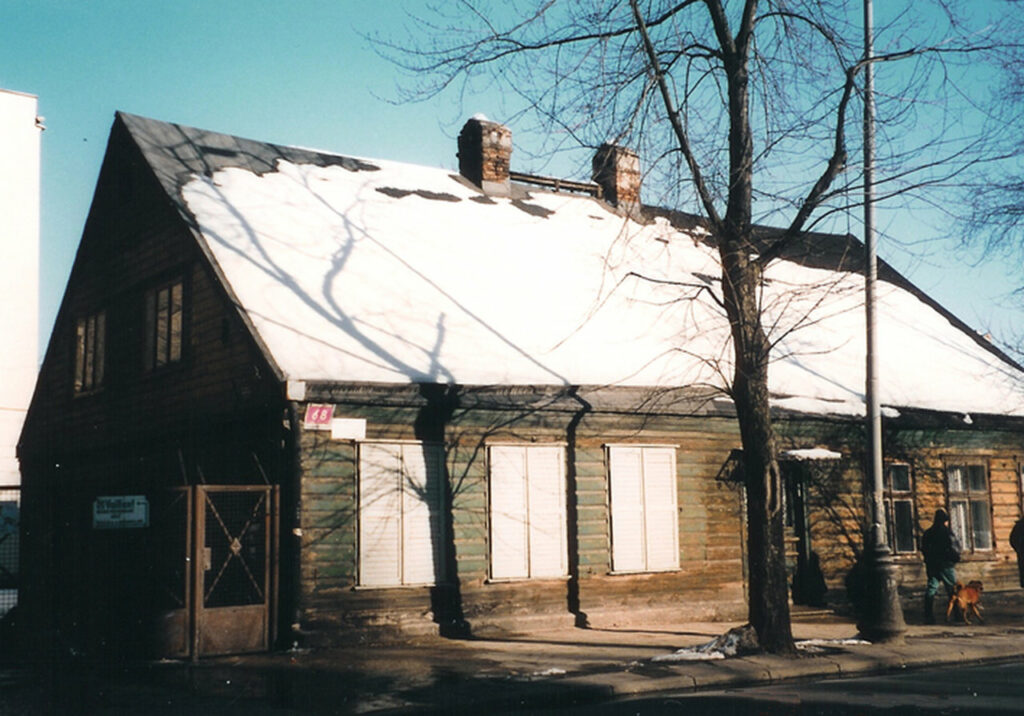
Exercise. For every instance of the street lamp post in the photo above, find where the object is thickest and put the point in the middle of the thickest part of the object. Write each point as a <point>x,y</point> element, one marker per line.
<point>882,616</point>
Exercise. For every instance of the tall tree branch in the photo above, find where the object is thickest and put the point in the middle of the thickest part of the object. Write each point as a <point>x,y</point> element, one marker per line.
<point>703,193</point>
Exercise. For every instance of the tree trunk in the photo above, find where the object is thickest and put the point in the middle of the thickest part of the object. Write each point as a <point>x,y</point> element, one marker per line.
<point>768,600</point>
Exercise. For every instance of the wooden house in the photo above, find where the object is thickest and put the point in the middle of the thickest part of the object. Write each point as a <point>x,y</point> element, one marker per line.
<point>293,396</point>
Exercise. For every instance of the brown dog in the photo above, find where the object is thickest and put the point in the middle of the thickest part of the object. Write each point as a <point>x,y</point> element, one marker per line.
<point>966,599</point>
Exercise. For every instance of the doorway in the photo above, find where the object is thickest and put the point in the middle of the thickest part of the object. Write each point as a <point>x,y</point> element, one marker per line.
<point>216,561</point>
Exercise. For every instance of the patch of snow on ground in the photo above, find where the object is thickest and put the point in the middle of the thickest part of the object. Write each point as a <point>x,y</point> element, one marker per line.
<point>692,653</point>
<point>730,644</point>
<point>735,642</point>
<point>820,646</point>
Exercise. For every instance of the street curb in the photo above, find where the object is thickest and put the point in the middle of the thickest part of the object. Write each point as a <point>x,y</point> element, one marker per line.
<point>651,678</point>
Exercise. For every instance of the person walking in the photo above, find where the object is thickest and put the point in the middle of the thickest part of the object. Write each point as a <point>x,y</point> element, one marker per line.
<point>1017,542</point>
<point>941,550</point>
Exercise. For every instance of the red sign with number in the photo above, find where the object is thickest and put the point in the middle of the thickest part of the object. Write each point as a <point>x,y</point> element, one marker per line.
<point>318,416</point>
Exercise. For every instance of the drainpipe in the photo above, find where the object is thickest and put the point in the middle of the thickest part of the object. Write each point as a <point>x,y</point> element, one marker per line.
<point>295,536</point>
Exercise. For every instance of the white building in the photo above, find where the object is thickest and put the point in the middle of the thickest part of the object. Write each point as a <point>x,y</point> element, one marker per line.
<point>19,270</point>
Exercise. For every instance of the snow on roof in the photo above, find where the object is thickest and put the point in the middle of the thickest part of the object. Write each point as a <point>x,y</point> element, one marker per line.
<point>374,271</point>
<point>810,454</point>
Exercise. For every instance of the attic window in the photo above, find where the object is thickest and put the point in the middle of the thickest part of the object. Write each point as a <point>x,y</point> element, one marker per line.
<point>163,327</point>
<point>90,350</point>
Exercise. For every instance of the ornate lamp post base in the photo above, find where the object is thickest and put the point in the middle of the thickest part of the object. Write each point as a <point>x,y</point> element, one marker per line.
<point>881,618</point>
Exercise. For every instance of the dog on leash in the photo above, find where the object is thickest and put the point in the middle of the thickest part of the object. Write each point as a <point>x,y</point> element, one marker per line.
<point>967,599</point>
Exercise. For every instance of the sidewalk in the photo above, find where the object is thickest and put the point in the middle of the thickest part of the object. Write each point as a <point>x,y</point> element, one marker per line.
<point>574,666</point>
<point>536,671</point>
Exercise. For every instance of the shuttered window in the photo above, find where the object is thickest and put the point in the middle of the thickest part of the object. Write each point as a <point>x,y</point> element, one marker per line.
<point>645,522</point>
<point>527,512</point>
<point>400,514</point>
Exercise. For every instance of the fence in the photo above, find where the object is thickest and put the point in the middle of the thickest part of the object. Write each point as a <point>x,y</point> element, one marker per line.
<point>10,508</point>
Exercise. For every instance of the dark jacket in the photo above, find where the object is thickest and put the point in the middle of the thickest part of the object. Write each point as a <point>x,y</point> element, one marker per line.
<point>940,547</point>
<point>1017,537</point>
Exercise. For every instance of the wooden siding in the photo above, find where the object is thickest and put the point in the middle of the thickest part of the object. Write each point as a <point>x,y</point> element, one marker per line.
<point>213,417</point>
<point>839,500</point>
<point>708,583</point>
<point>134,240</point>
<point>928,452</point>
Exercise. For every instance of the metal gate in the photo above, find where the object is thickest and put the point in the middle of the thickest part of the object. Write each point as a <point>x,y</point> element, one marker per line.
<point>10,501</point>
<point>171,550</point>
<point>221,598</point>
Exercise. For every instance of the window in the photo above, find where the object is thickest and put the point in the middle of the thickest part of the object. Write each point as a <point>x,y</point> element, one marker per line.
<point>899,508</point>
<point>527,512</point>
<point>90,351</point>
<point>645,522</point>
<point>400,504</point>
<point>163,329</point>
<point>969,506</point>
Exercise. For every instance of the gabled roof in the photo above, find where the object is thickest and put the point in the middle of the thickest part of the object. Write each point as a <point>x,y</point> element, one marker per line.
<point>370,271</point>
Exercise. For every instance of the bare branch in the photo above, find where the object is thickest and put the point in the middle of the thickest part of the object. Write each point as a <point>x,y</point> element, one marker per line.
<point>673,115</point>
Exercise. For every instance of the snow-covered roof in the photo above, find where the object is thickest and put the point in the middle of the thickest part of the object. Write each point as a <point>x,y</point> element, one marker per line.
<point>374,271</point>
<point>810,454</point>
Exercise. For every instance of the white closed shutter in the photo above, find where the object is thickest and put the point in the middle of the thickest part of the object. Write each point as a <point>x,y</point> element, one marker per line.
<point>380,515</point>
<point>660,511</point>
<point>527,512</point>
<point>509,533</point>
<point>545,476</point>
<point>627,503</point>
<point>422,527</point>
<point>644,512</point>
<point>401,530</point>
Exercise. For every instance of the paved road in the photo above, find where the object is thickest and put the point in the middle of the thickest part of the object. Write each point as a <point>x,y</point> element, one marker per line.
<point>986,690</point>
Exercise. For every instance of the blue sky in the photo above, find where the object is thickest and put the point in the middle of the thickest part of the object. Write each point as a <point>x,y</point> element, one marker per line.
<point>293,73</point>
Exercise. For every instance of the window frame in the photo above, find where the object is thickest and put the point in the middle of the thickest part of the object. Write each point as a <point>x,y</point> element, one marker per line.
<point>890,496</point>
<point>163,325</point>
<point>432,453</point>
<point>970,496</point>
<point>646,520</point>
<point>533,549</point>
<point>89,353</point>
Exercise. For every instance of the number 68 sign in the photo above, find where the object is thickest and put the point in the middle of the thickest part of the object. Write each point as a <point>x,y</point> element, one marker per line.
<point>318,416</point>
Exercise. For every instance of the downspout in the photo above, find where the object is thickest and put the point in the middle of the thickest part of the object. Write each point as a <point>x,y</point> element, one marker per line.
<point>572,508</point>
<point>294,550</point>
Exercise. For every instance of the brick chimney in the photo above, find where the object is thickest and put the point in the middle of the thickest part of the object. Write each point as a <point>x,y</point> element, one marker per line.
<point>617,171</point>
<point>485,150</point>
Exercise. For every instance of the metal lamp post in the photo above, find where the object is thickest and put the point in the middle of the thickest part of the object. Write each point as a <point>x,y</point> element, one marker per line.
<point>882,617</point>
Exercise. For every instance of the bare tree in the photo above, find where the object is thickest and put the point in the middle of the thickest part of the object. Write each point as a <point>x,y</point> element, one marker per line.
<point>994,195</point>
<point>739,106</point>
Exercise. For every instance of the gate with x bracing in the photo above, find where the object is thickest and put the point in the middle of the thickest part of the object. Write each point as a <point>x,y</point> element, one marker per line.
<point>221,569</point>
